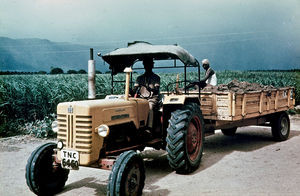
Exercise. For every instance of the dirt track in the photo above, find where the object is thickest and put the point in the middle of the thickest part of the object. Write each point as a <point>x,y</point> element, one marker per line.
<point>250,163</point>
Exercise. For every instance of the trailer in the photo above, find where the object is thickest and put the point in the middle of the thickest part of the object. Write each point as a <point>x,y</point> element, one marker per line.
<point>229,110</point>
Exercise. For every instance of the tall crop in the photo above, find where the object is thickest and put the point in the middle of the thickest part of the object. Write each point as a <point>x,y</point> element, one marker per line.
<point>27,98</point>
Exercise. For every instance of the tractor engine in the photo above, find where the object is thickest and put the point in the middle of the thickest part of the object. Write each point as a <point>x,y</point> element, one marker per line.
<point>86,127</point>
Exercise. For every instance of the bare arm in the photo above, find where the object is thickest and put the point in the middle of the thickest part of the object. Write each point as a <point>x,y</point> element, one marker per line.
<point>208,75</point>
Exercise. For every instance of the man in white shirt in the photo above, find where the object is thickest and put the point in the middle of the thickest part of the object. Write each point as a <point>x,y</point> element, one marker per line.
<point>210,75</point>
<point>209,79</point>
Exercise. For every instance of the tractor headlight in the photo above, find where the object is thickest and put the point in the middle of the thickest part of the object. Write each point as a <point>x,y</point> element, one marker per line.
<point>54,126</point>
<point>60,145</point>
<point>103,130</point>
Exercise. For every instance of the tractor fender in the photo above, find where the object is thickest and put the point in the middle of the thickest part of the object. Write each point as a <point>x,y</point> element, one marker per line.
<point>180,99</point>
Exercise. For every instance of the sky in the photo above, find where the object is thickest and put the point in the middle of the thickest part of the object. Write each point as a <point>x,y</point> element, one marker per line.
<point>189,23</point>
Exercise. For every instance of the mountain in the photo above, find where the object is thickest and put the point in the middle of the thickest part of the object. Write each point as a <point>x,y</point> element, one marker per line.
<point>253,54</point>
<point>41,54</point>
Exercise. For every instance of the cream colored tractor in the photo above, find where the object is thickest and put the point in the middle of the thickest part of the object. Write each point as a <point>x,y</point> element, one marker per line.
<point>106,133</point>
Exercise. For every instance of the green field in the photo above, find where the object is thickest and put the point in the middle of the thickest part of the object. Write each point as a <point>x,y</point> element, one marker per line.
<point>33,98</point>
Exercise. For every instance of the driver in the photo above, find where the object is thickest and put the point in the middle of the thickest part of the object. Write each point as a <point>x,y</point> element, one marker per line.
<point>148,85</point>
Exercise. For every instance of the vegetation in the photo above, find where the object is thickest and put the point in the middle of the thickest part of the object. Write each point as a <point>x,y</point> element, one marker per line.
<point>82,71</point>
<point>33,99</point>
<point>71,71</point>
<point>21,72</point>
<point>56,70</point>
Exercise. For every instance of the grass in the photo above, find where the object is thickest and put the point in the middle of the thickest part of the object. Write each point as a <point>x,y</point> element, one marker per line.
<point>33,98</point>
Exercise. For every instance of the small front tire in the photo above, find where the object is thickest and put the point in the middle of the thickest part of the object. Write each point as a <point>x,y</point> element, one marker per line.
<point>41,177</point>
<point>127,176</point>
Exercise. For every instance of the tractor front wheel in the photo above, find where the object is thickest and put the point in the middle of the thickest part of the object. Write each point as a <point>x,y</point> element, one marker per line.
<point>41,176</point>
<point>127,176</point>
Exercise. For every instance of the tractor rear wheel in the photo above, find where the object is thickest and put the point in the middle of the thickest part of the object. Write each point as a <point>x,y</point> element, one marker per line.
<point>281,127</point>
<point>41,177</point>
<point>127,176</point>
<point>185,139</point>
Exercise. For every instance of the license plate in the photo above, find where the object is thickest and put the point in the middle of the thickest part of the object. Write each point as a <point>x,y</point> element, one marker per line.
<point>69,159</point>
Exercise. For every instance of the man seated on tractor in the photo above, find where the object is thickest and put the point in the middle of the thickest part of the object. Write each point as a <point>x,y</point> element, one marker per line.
<point>147,85</point>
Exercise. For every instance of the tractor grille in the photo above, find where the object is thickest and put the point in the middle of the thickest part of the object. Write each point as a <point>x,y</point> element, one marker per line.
<point>76,132</point>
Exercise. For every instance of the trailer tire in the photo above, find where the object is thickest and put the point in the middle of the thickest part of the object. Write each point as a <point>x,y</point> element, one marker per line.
<point>41,177</point>
<point>229,132</point>
<point>281,127</point>
<point>185,139</point>
<point>127,176</point>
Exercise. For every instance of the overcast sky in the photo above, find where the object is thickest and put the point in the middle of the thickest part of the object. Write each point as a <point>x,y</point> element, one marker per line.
<point>205,28</point>
<point>90,21</point>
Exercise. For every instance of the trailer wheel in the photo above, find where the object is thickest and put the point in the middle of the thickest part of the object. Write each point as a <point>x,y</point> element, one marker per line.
<point>41,177</point>
<point>229,132</point>
<point>281,127</point>
<point>127,176</point>
<point>185,139</point>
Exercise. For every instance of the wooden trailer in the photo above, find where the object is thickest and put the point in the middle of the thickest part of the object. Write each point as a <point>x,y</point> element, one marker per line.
<point>229,110</point>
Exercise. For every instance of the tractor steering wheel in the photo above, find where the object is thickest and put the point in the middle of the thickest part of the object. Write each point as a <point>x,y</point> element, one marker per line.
<point>138,92</point>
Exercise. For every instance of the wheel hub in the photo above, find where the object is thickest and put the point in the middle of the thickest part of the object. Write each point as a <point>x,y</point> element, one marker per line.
<point>194,138</point>
<point>133,180</point>
<point>284,126</point>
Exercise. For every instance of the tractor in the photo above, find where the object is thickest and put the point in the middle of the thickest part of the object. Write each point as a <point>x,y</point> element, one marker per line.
<point>108,133</point>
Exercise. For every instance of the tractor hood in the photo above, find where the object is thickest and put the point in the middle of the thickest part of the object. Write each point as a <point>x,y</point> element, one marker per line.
<point>110,112</point>
<point>137,51</point>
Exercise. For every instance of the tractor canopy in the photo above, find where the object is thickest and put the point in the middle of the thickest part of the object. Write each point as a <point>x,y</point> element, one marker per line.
<point>121,58</point>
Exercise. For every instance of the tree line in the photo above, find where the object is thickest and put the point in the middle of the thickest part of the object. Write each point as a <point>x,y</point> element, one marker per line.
<point>54,70</point>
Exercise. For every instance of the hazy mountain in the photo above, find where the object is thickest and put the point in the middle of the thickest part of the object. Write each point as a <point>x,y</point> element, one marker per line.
<point>252,54</point>
<point>41,54</point>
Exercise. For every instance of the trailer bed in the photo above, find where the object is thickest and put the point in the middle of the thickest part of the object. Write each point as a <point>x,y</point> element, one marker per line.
<point>231,106</point>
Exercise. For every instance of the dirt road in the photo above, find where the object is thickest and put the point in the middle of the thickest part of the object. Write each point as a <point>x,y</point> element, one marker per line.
<point>250,163</point>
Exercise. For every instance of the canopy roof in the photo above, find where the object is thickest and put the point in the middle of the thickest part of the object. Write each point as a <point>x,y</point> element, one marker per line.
<point>137,51</point>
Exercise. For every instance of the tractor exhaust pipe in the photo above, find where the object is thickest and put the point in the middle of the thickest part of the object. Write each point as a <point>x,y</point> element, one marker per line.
<point>91,76</point>
<point>127,70</point>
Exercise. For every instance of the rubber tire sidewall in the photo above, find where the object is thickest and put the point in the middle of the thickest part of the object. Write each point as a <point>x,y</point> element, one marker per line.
<point>276,127</point>
<point>117,177</point>
<point>177,139</point>
<point>33,176</point>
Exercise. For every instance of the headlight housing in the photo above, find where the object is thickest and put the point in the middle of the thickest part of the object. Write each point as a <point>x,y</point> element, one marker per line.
<point>103,130</point>
<point>60,145</point>
<point>54,126</point>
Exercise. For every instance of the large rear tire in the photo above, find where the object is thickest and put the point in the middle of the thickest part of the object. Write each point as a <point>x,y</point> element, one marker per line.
<point>281,127</point>
<point>41,177</point>
<point>127,177</point>
<point>185,139</point>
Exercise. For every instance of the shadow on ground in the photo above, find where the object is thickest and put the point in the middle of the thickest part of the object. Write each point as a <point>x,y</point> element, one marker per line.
<point>216,147</point>
<point>246,139</point>
<point>100,189</point>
